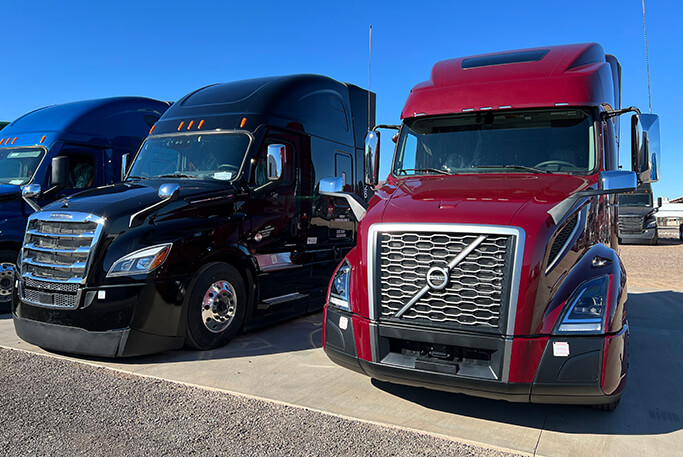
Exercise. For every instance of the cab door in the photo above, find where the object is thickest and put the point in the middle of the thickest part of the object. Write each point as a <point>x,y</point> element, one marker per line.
<point>275,213</point>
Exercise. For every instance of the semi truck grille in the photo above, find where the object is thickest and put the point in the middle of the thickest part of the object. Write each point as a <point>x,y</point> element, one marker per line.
<point>631,224</point>
<point>421,280</point>
<point>55,257</point>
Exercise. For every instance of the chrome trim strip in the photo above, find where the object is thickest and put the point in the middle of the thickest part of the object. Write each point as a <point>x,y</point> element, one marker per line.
<point>73,266</point>
<point>284,298</point>
<point>274,262</point>
<point>61,281</point>
<point>60,235</point>
<point>80,250</point>
<point>519,239</point>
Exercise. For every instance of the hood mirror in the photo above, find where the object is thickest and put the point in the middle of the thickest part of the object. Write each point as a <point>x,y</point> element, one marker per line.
<point>169,191</point>
<point>29,192</point>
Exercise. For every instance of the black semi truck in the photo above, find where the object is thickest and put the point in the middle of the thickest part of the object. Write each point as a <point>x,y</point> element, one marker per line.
<point>637,216</point>
<point>218,226</point>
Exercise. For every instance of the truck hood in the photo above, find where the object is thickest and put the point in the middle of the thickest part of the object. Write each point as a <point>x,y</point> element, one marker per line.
<point>124,199</point>
<point>492,199</point>
<point>9,191</point>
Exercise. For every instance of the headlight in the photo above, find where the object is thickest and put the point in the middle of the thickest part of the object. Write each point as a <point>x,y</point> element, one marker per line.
<point>140,262</point>
<point>652,224</point>
<point>586,309</point>
<point>339,289</point>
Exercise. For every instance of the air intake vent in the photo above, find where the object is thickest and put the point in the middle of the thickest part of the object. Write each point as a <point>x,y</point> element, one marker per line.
<point>562,238</point>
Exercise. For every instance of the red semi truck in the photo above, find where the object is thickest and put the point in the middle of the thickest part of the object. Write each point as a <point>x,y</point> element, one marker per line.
<point>487,264</point>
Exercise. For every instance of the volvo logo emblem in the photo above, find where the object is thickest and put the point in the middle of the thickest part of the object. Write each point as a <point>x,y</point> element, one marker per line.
<point>437,278</point>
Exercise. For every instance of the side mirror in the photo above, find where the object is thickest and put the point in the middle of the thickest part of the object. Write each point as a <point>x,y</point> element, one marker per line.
<point>617,181</point>
<point>31,191</point>
<point>124,165</point>
<point>60,172</point>
<point>276,160</point>
<point>332,187</point>
<point>168,191</point>
<point>372,157</point>
<point>645,147</point>
<point>660,202</point>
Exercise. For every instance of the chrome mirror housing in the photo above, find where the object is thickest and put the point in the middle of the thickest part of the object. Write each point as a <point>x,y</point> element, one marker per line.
<point>645,147</point>
<point>331,185</point>
<point>31,191</point>
<point>168,191</point>
<point>617,181</point>
<point>372,157</point>
<point>276,160</point>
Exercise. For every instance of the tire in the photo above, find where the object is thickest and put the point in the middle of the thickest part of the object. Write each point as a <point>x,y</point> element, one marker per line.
<point>608,406</point>
<point>8,266</point>
<point>216,307</point>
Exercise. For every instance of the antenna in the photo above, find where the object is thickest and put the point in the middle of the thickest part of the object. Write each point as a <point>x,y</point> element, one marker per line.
<point>369,73</point>
<point>647,60</point>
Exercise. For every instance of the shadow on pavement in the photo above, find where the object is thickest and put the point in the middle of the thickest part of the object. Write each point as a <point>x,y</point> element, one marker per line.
<point>300,334</point>
<point>652,402</point>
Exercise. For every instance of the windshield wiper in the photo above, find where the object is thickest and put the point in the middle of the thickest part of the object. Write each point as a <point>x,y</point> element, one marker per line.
<point>518,167</point>
<point>434,170</point>
<point>176,175</point>
<point>136,177</point>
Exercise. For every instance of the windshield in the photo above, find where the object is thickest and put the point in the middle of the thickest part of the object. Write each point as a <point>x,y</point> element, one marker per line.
<point>642,200</point>
<point>17,165</point>
<point>200,155</point>
<point>538,141</point>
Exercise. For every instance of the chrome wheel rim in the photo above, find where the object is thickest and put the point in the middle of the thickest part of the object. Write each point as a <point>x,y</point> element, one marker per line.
<point>6,281</point>
<point>219,306</point>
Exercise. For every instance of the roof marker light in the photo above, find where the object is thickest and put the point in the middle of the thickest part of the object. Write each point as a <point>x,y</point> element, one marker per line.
<point>181,125</point>
<point>467,109</point>
<point>562,104</point>
<point>485,108</point>
<point>43,139</point>
<point>200,124</point>
<point>244,121</point>
<point>505,106</point>
<point>152,129</point>
<point>15,139</point>
<point>189,126</point>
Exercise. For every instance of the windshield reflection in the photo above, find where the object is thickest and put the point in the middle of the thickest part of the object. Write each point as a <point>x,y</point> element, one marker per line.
<point>17,165</point>
<point>533,141</point>
<point>200,155</point>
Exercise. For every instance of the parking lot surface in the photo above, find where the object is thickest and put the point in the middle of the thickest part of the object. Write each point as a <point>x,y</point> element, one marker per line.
<point>285,364</point>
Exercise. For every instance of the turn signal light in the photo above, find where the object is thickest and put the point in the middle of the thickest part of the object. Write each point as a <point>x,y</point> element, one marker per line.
<point>181,125</point>
<point>244,121</point>
<point>43,139</point>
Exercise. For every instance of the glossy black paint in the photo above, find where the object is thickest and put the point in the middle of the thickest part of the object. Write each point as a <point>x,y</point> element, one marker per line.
<point>233,222</point>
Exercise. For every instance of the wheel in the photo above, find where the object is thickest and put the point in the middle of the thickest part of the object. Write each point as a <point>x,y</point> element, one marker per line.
<point>608,406</point>
<point>216,307</point>
<point>7,268</point>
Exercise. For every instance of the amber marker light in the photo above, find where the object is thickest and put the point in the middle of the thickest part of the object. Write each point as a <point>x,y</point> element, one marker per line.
<point>152,129</point>
<point>15,139</point>
<point>244,121</point>
<point>181,125</point>
<point>189,126</point>
<point>2,141</point>
<point>43,139</point>
<point>200,124</point>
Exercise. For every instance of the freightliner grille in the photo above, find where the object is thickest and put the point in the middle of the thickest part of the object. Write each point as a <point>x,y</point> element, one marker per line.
<point>477,292</point>
<point>55,256</point>
<point>631,224</point>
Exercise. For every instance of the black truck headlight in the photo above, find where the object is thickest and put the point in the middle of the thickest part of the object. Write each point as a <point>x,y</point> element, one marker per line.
<point>651,224</point>
<point>586,308</point>
<point>139,262</point>
<point>339,288</point>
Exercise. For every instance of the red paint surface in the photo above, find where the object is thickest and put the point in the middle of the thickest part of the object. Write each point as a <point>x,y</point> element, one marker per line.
<point>526,355</point>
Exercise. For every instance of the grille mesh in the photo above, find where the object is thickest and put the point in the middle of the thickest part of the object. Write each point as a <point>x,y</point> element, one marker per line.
<point>475,293</point>
<point>631,224</point>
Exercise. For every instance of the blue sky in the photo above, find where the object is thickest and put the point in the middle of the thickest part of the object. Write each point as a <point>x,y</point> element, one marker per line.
<point>56,52</point>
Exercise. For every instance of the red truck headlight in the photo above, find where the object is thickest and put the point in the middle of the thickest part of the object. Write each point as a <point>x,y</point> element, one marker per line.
<point>586,309</point>
<point>339,288</point>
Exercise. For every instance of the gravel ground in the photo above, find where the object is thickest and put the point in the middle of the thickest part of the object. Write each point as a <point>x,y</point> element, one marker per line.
<point>57,407</point>
<point>655,267</point>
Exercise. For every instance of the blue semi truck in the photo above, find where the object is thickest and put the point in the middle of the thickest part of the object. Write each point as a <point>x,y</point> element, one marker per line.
<point>56,151</point>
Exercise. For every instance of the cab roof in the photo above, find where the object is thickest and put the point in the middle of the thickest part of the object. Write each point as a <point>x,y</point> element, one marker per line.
<point>567,75</point>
